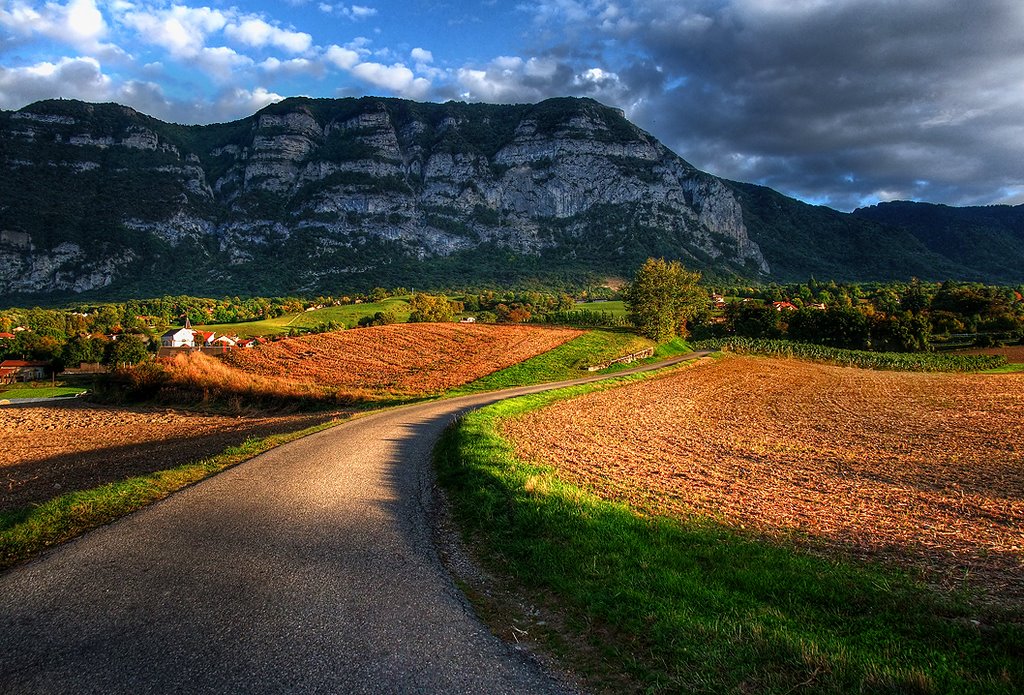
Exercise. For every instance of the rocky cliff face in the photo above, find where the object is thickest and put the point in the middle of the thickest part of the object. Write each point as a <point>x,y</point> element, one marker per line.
<point>317,194</point>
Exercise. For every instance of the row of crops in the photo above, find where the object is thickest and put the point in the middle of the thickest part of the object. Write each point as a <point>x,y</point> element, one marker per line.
<point>902,361</point>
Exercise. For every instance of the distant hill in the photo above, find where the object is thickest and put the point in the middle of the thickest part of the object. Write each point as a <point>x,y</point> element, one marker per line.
<point>987,241</point>
<point>322,195</point>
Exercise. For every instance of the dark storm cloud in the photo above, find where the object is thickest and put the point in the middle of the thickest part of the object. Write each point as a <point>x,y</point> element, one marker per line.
<point>837,101</point>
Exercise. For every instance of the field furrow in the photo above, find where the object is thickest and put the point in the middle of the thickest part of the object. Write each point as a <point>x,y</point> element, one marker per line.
<point>926,470</point>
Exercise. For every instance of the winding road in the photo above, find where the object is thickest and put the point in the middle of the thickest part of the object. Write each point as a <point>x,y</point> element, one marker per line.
<point>310,568</point>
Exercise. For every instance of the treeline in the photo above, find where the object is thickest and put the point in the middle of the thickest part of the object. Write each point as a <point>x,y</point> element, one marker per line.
<point>901,317</point>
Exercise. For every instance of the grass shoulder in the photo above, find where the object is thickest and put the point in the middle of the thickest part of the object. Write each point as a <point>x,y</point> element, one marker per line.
<point>692,605</point>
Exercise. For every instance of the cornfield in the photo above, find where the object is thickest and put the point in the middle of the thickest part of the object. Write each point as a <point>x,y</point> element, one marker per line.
<point>897,361</point>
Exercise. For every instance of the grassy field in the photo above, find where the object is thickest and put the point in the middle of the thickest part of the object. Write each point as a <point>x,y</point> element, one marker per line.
<point>616,307</point>
<point>658,604</point>
<point>39,392</point>
<point>347,315</point>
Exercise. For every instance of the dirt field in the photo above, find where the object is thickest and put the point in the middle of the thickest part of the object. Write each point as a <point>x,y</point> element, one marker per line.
<point>46,451</point>
<point>926,470</point>
<point>1014,354</point>
<point>407,359</point>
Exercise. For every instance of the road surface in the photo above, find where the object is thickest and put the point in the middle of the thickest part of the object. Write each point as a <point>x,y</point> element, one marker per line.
<point>309,568</point>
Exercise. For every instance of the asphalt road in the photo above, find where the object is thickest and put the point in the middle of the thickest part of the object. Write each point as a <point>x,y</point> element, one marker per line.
<point>310,568</point>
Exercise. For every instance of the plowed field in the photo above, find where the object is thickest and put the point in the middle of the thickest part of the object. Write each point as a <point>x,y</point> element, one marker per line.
<point>407,359</point>
<point>925,470</point>
<point>1014,354</point>
<point>60,447</point>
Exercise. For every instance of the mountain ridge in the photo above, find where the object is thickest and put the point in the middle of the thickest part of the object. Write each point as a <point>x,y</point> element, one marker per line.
<point>311,195</point>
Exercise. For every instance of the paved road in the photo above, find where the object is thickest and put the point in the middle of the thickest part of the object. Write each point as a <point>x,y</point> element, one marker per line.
<point>309,568</point>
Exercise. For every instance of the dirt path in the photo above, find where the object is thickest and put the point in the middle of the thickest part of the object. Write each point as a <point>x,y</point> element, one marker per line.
<point>307,569</point>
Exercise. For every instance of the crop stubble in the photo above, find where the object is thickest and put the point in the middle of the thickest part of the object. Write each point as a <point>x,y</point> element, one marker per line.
<point>406,359</point>
<point>925,470</point>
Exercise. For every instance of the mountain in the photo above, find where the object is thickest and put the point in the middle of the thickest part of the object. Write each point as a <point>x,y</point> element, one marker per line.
<point>988,241</point>
<point>326,195</point>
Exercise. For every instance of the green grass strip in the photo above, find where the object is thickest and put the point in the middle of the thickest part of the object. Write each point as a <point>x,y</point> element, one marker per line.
<point>694,606</point>
<point>25,532</point>
<point>40,392</point>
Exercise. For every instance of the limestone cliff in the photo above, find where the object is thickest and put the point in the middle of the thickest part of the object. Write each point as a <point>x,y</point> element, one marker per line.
<point>318,194</point>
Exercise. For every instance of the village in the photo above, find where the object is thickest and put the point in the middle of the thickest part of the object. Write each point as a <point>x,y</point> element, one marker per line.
<point>187,338</point>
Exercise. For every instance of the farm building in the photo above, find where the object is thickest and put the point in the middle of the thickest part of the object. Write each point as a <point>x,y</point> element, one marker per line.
<point>22,370</point>
<point>783,306</point>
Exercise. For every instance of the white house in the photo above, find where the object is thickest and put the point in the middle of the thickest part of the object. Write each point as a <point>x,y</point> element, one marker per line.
<point>180,337</point>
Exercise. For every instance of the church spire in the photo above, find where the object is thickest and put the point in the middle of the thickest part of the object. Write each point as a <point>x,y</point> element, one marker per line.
<point>188,324</point>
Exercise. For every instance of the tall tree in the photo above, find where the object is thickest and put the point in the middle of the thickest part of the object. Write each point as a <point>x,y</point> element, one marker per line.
<point>663,297</point>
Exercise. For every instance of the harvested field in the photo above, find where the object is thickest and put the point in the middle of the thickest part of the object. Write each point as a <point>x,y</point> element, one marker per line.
<point>401,359</point>
<point>924,470</point>
<point>1014,354</point>
<point>48,450</point>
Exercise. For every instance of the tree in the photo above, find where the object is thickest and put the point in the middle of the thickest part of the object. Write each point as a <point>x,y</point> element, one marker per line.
<point>663,297</point>
<point>126,350</point>
<point>428,308</point>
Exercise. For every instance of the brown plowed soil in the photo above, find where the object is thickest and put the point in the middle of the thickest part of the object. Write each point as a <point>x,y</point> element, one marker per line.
<point>405,359</point>
<point>1014,354</point>
<point>70,445</point>
<point>924,470</point>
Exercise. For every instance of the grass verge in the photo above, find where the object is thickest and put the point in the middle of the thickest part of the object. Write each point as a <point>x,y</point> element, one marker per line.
<point>691,605</point>
<point>25,532</point>
<point>570,360</point>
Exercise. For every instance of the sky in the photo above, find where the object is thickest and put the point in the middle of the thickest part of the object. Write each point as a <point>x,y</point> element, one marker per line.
<point>837,102</point>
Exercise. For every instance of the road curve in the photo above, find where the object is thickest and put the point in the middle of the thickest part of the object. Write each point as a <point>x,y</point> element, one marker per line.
<point>309,568</point>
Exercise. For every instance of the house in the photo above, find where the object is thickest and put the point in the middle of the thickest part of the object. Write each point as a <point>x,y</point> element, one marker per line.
<point>224,341</point>
<point>204,337</point>
<point>784,306</point>
<point>22,370</point>
<point>468,319</point>
<point>818,305</point>
<point>718,300</point>
<point>7,336</point>
<point>179,337</point>
<point>246,343</point>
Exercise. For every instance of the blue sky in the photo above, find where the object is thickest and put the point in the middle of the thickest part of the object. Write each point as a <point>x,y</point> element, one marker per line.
<point>840,102</point>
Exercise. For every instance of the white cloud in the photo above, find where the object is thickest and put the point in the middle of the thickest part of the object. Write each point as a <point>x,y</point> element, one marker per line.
<point>221,62</point>
<point>77,78</point>
<point>253,31</point>
<point>342,57</point>
<point>421,55</point>
<point>238,102</point>
<point>294,66</point>
<point>352,12</point>
<point>180,30</point>
<point>78,23</point>
<point>396,78</point>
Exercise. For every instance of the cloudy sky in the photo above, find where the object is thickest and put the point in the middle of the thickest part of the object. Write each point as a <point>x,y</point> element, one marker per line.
<point>839,102</point>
